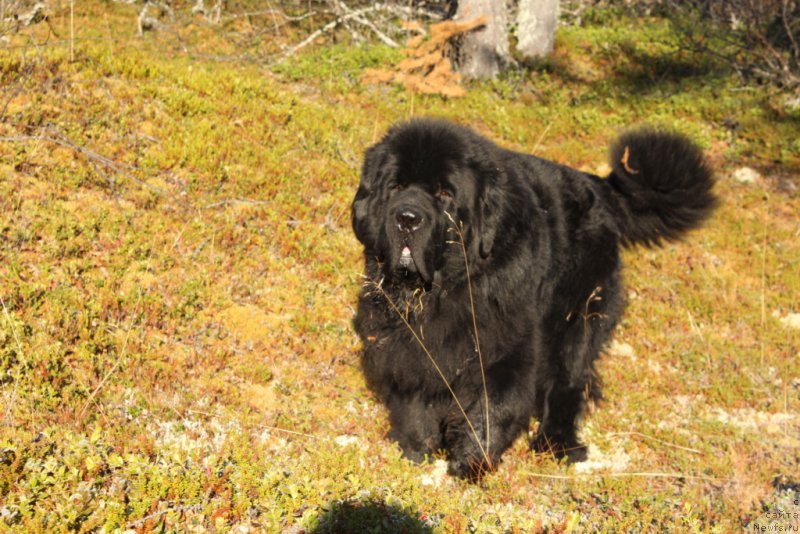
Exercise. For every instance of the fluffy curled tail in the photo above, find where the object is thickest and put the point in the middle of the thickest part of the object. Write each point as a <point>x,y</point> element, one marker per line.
<point>662,184</point>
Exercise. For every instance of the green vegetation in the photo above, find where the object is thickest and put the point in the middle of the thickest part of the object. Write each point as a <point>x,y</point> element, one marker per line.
<point>178,275</point>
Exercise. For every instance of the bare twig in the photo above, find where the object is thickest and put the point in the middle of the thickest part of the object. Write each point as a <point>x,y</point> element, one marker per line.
<point>633,474</point>
<point>91,155</point>
<point>275,24</point>
<point>757,39</point>
<point>785,15</point>
<point>56,42</point>
<point>352,15</point>
<point>12,95</point>
<point>199,248</point>
<point>180,510</point>
<point>366,22</point>
<point>458,230</point>
<point>236,201</point>
<point>117,363</point>
<point>763,291</point>
<point>667,443</point>
<point>72,31</point>
<point>328,27</point>
<point>541,138</point>
<point>13,399</point>
<point>292,432</point>
<point>271,13</point>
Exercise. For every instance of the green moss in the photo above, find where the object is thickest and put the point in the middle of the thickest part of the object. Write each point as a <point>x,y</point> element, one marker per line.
<point>336,66</point>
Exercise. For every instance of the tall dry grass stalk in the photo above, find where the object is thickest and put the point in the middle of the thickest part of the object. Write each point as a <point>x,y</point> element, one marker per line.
<point>458,228</point>
<point>764,225</point>
<point>116,365</point>
<point>484,447</point>
<point>439,371</point>
<point>71,31</point>
<point>13,399</point>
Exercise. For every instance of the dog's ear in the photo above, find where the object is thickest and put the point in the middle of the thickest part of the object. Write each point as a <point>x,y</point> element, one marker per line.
<point>489,179</point>
<point>490,209</point>
<point>373,159</point>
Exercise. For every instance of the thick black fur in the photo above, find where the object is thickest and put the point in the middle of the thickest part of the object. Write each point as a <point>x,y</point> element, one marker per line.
<point>541,242</point>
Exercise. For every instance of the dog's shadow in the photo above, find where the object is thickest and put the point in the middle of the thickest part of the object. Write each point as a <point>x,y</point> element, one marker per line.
<point>370,516</point>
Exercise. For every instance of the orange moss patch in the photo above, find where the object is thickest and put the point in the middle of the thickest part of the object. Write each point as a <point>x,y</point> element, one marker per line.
<point>427,68</point>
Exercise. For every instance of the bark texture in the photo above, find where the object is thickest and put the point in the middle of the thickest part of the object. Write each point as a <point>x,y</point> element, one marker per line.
<point>536,27</point>
<point>484,52</point>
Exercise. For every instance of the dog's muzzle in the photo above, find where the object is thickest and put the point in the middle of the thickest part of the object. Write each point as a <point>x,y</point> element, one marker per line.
<point>408,219</point>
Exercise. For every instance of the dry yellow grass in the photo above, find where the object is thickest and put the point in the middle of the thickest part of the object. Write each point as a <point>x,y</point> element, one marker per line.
<point>178,274</point>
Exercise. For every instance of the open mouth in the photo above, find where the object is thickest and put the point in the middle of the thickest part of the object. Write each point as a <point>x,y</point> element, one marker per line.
<point>409,267</point>
<point>406,259</point>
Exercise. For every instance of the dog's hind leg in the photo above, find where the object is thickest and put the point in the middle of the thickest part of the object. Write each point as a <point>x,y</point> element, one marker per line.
<point>569,376</point>
<point>557,431</point>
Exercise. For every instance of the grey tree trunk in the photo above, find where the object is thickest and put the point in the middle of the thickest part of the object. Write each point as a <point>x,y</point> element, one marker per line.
<point>484,52</point>
<point>536,27</point>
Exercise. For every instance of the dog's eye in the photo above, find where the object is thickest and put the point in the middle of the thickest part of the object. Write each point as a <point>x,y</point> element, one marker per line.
<point>444,193</point>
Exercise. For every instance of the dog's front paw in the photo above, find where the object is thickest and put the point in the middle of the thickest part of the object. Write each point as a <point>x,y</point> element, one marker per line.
<point>560,447</point>
<point>470,469</point>
<point>414,455</point>
<point>411,449</point>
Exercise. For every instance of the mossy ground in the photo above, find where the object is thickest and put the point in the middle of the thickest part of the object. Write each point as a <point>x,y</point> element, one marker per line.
<point>178,277</point>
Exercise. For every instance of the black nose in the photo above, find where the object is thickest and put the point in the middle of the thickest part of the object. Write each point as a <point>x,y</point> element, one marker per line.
<point>408,220</point>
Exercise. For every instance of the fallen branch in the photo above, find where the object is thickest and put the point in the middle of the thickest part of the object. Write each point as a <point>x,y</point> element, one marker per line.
<point>667,443</point>
<point>91,155</point>
<point>368,23</point>
<point>328,27</point>
<point>271,13</point>
<point>633,474</point>
<point>357,16</point>
<point>179,510</point>
<point>229,201</point>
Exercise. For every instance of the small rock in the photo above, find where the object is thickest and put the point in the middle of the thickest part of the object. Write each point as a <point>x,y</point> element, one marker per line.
<point>437,476</point>
<point>731,124</point>
<point>615,461</point>
<point>792,103</point>
<point>788,186</point>
<point>345,440</point>
<point>746,175</point>
<point>791,320</point>
<point>621,349</point>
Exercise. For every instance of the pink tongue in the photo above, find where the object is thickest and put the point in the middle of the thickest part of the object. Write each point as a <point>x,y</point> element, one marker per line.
<point>405,257</point>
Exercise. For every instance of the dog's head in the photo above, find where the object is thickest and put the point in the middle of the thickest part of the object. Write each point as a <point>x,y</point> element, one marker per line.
<point>425,187</point>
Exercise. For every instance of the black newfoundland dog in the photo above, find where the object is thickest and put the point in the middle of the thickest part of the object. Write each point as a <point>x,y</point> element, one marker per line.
<point>493,281</point>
